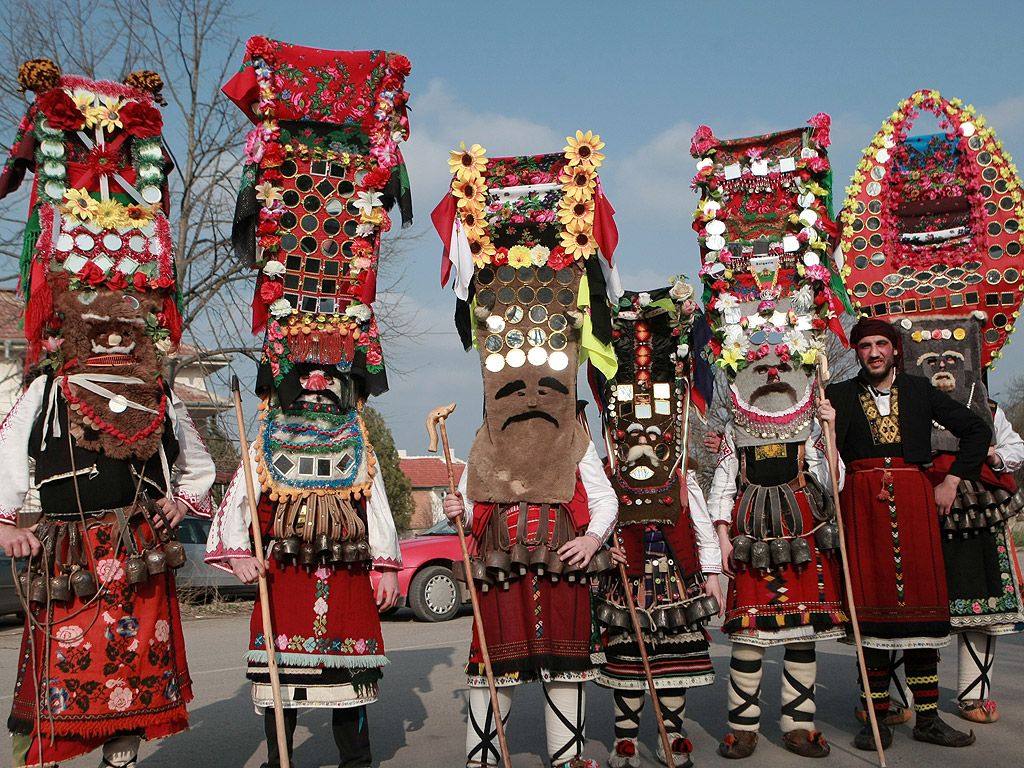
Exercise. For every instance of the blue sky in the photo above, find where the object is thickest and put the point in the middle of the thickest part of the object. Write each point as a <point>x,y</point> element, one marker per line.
<point>519,77</point>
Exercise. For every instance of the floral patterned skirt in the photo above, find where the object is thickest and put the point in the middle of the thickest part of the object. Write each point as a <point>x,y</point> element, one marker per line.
<point>112,664</point>
<point>984,586</point>
<point>327,633</point>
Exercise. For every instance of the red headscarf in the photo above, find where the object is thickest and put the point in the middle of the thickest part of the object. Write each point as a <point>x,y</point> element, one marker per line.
<point>870,326</point>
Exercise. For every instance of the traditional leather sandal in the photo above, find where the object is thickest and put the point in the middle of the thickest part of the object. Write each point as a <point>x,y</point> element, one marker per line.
<point>978,710</point>
<point>866,739</point>
<point>681,749</point>
<point>623,754</point>
<point>897,715</point>
<point>934,731</point>
<point>806,743</point>
<point>738,744</point>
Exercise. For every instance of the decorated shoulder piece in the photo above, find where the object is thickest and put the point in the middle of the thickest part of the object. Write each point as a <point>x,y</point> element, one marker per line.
<point>97,265</point>
<point>765,231</point>
<point>932,224</point>
<point>933,244</point>
<point>647,404</point>
<point>322,170</point>
<point>531,241</point>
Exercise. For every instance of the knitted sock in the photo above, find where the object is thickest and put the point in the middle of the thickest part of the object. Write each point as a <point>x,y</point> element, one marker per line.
<point>879,671</point>
<point>745,687</point>
<point>673,709</point>
<point>628,707</point>
<point>922,667</point>
<point>800,667</point>
<point>482,746</point>
<point>565,720</point>
<point>976,654</point>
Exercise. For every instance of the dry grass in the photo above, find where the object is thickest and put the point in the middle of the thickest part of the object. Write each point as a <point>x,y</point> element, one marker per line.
<point>201,603</point>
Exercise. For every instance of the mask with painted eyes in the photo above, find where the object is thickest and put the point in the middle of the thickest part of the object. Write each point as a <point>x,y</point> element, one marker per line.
<point>947,351</point>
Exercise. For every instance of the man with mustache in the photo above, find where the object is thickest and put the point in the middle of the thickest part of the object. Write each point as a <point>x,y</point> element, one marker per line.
<point>883,434</point>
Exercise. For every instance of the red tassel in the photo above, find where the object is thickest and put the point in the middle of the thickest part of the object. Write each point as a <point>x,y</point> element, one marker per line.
<point>38,310</point>
<point>173,319</point>
<point>259,309</point>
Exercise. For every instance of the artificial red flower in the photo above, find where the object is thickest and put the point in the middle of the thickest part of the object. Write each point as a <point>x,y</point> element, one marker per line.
<point>163,282</point>
<point>391,83</point>
<point>141,120</point>
<point>378,178</point>
<point>117,281</point>
<point>259,48</point>
<point>103,160</point>
<point>400,65</point>
<point>559,258</point>
<point>140,281</point>
<point>273,155</point>
<point>92,274</point>
<point>266,227</point>
<point>61,112</point>
<point>702,141</point>
<point>361,247</point>
<point>271,291</point>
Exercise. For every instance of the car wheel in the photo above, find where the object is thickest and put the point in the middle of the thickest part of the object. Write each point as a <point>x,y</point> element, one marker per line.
<point>434,595</point>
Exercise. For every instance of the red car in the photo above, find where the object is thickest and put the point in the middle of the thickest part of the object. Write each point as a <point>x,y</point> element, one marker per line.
<point>425,582</point>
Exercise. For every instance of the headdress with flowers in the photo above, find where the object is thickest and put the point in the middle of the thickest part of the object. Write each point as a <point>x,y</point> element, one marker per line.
<point>932,224</point>
<point>323,168</point>
<point>99,198</point>
<point>538,212</point>
<point>765,230</point>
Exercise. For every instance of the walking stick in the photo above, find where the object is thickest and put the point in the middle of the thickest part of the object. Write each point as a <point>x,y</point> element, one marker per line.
<point>646,662</point>
<point>669,761</point>
<point>434,421</point>
<point>257,536</point>
<point>830,454</point>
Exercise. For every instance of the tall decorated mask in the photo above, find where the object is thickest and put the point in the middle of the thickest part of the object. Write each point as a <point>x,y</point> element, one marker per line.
<point>97,267</point>
<point>323,169</point>
<point>932,228</point>
<point>646,405</point>
<point>765,230</point>
<point>530,240</point>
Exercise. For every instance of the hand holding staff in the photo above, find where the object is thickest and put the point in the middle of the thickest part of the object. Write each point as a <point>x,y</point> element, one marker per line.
<point>832,456</point>
<point>434,421</point>
<point>257,536</point>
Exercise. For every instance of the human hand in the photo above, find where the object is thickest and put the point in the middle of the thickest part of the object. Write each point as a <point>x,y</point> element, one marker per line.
<point>713,588</point>
<point>579,551</point>
<point>247,569</point>
<point>725,544</point>
<point>618,555</point>
<point>174,510</point>
<point>19,542</point>
<point>945,494</point>
<point>387,591</point>
<point>826,414</point>
<point>713,440</point>
<point>454,506</point>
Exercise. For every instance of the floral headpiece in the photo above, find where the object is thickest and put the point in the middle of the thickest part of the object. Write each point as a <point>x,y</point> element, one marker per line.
<point>765,230</point>
<point>323,168</point>
<point>932,224</point>
<point>99,199</point>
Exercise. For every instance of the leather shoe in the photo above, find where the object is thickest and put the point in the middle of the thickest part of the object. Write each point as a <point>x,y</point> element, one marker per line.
<point>738,744</point>
<point>806,743</point>
<point>934,731</point>
<point>866,739</point>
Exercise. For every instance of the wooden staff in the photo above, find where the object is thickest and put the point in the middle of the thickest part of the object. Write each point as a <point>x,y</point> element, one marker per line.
<point>434,421</point>
<point>830,454</point>
<point>257,537</point>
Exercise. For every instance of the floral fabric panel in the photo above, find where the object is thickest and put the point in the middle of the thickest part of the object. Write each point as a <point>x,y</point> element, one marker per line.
<point>932,224</point>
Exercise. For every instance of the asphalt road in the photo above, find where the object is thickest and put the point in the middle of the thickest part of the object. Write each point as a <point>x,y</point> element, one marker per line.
<point>420,719</point>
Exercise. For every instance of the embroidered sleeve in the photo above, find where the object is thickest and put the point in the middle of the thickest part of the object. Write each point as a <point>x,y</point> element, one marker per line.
<point>14,438</point>
<point>194,471</point>
<point>710,550</point>
<point>604,506</point>
<point>229,531</point>
<point>381,526</point>
<point>722,495</point>
<point>817,459</point>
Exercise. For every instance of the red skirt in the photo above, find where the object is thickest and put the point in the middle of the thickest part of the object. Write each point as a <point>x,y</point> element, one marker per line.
<point>787,596</point>
<point>894,545</point>
<point>113,665</point>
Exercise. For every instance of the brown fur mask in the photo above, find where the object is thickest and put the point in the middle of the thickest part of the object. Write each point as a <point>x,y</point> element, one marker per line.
<point>108,336</point>
<point>530,442</point>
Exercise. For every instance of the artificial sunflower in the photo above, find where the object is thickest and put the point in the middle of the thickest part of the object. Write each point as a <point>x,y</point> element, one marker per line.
<point>578,241</point>
<point>84,101</point>
<point>583,150</point>
<point>468,192</point>
<point>483,251</point>
<point>139,215</point>
<point>580,211</point>
<point>578,183</point>
<point>108,115</point>
<point>473,222</point>
<point>78,203</point>
<point>109,213</point>
<point>468,163</point>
